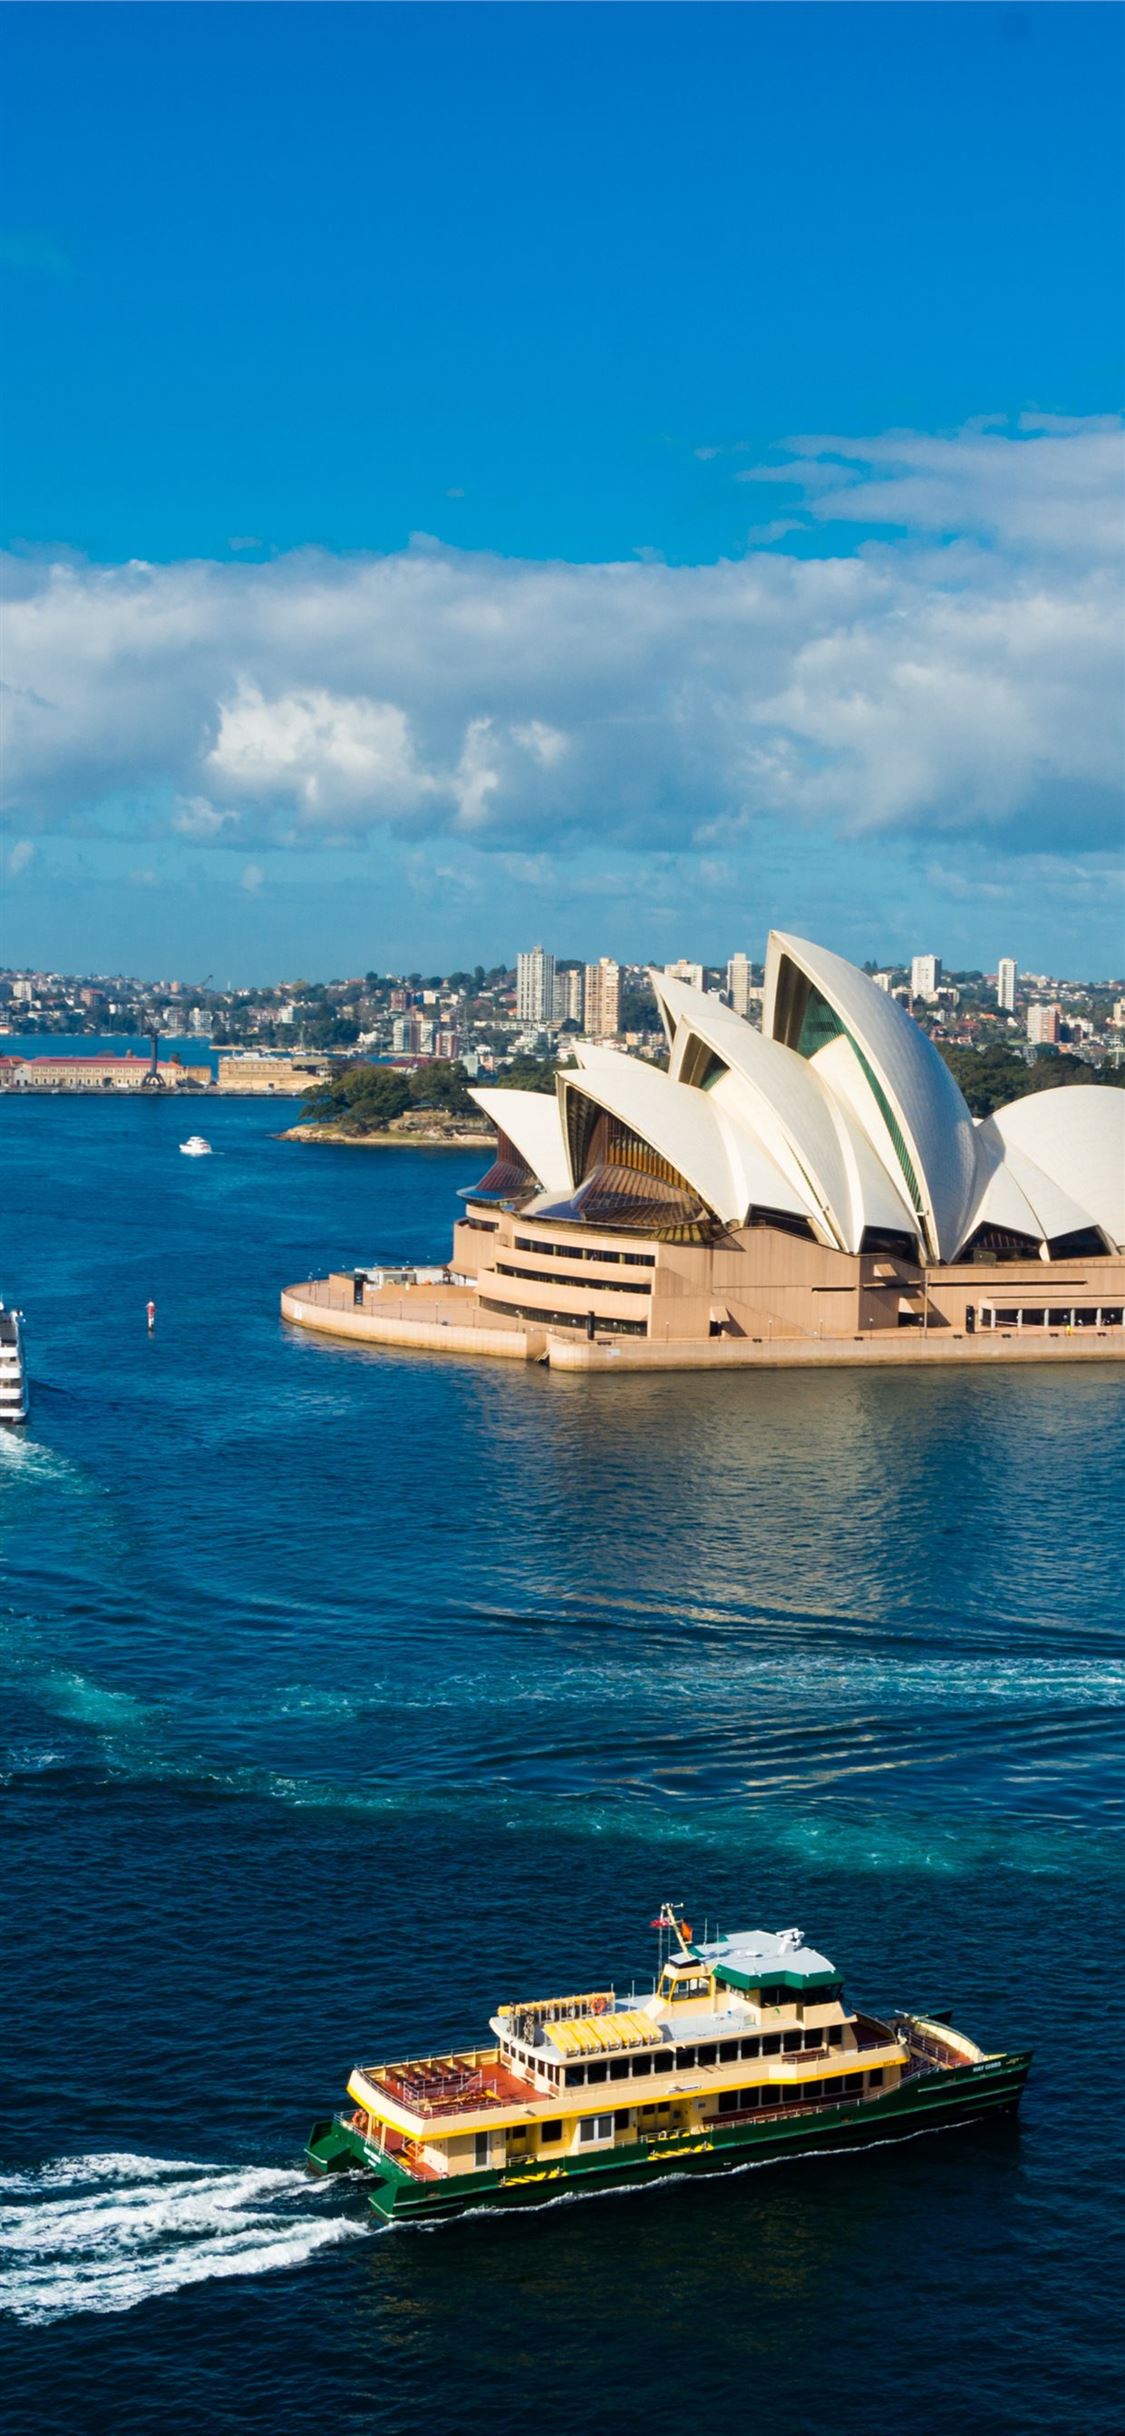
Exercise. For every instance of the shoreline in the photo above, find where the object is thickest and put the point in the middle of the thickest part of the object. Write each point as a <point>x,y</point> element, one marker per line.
<point>413,1140</point>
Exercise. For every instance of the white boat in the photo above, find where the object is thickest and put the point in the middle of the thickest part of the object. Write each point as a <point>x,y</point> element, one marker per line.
<point>196,1147</point>
<point>13,1376</point>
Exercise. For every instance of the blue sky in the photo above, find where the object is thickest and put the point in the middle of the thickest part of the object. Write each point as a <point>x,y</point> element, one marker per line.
<point>618,474</point>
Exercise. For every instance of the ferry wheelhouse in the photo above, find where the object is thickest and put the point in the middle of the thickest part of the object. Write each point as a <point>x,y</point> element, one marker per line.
<point>13,1374</point>
<point>745,2050</point>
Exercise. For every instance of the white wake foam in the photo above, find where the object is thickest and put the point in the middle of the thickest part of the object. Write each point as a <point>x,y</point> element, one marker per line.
<point>104,2233</point>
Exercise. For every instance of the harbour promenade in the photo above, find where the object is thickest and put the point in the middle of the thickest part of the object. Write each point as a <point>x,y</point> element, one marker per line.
<point>447,1318</point>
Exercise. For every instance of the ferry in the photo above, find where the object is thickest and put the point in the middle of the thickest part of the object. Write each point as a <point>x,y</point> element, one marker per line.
<point>745,2051</point>
<point>13,1373</point>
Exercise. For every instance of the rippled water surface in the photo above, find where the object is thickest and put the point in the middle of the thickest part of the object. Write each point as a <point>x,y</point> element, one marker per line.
<point>345,1692</point>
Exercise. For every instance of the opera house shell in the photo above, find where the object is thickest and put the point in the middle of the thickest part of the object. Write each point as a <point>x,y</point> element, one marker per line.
<point>820,1179</point>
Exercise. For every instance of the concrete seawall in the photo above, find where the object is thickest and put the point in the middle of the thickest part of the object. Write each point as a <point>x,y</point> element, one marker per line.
<point>909,1350</point>
<point>424,1331</point>
<point>447,1319</point>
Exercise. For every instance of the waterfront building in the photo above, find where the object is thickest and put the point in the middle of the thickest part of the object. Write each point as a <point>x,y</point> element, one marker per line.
<point>1007,975</point>
<point>103,1073</point>
<point>816,1191</point>
<point>264,1073</point>
<point>925,976</point>
<point>535,988</point>
<point>738,984</point>
<point>1043,1024</point>
<point>602,1000</point>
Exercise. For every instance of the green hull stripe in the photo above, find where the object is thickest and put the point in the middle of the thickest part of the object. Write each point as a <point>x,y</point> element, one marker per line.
<point>959,2096</point>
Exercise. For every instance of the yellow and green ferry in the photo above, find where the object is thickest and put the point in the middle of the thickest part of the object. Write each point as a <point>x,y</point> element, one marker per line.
<point>745,2051</point>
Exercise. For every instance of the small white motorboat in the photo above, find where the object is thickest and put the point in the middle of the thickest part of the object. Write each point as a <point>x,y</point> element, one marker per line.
<point>196,1147</point>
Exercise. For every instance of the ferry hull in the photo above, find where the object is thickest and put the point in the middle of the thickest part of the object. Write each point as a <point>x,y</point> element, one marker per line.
<point>941,2100</point>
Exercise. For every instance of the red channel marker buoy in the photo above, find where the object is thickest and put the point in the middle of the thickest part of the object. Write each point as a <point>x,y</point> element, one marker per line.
<point>150,1315</point>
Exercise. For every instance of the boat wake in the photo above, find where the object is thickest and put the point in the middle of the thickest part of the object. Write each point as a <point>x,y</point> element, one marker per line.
<point>104,2233</point>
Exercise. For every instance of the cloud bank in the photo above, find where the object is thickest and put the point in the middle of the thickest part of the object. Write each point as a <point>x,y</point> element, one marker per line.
<point>959,670</point>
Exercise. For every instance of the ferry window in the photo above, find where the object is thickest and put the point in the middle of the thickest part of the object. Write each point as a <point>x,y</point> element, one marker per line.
<point>481,2147</point>
<point>663,2063</point>
<point>550,2131</point>
<point>619,2069</point>
<point>874,2078</point>
<point>812,2038</point>
<point>811,2089</point>
<point>728,2051</point>
<point>686,2058</point>
<point>751,2047</point>
<point>642,2063</point>
<point>772,2044</point>
<point>596,2127</point>
<point>835,2089</point>
<point>836,2035</point>
<point>729,2101</point>
<point>595,2072</point>
<point>705,2055</point>
<point>575,2074</point>
<point>791,2041</point>
<point>621,2119</point>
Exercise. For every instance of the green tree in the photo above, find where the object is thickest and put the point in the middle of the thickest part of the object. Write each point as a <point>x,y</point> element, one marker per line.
<point>991,1077</point>
<point>528,1073</point>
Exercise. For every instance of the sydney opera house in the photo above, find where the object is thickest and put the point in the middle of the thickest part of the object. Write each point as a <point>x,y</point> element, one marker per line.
<point>818,1189</point>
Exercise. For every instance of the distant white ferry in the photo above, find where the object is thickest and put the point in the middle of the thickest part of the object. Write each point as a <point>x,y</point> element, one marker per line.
<point>13,1376</point>
<point>196,1147</point>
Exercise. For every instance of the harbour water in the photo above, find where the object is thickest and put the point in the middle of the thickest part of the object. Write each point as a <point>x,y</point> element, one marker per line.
<point>344,1693</point>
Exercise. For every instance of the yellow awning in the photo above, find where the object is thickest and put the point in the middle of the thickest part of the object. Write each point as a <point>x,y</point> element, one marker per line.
<point>603,2033</point>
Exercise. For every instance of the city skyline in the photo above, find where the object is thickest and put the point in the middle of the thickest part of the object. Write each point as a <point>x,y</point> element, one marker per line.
<point>800,592</point>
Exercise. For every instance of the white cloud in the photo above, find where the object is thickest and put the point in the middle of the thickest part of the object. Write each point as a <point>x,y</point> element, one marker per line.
<point>20,855</point>
<point>963,677</point>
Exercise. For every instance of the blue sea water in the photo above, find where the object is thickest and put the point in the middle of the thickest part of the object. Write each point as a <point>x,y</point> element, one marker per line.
<point>344,1692</point>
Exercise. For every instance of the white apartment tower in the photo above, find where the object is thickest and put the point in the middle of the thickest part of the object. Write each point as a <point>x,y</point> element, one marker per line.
<point>738,984</point>
<point>603,1000</point>
<point>925,976</point>
<point>683,971</point>
<point>1007,975</point>
<point>535,987</point>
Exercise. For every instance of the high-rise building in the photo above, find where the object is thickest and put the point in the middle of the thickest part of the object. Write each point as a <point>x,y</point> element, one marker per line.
<point>884,981</point>
<point>603,1000</point>
<point>738,983</point>
<point>1043,1023</point>
<point>569,994</point>
<point>1007,975</point>
<point>535,987</point>
<point>683,971</point>
<point>925,976</point>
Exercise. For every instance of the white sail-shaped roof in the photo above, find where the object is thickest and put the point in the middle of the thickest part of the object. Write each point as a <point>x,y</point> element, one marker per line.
<point>1075,1137</point>
<point>899,1088</point>
<point>680,1124</point>
<point>770,1093</point>
<point>532,1121</point>
<point>841,1115</point>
